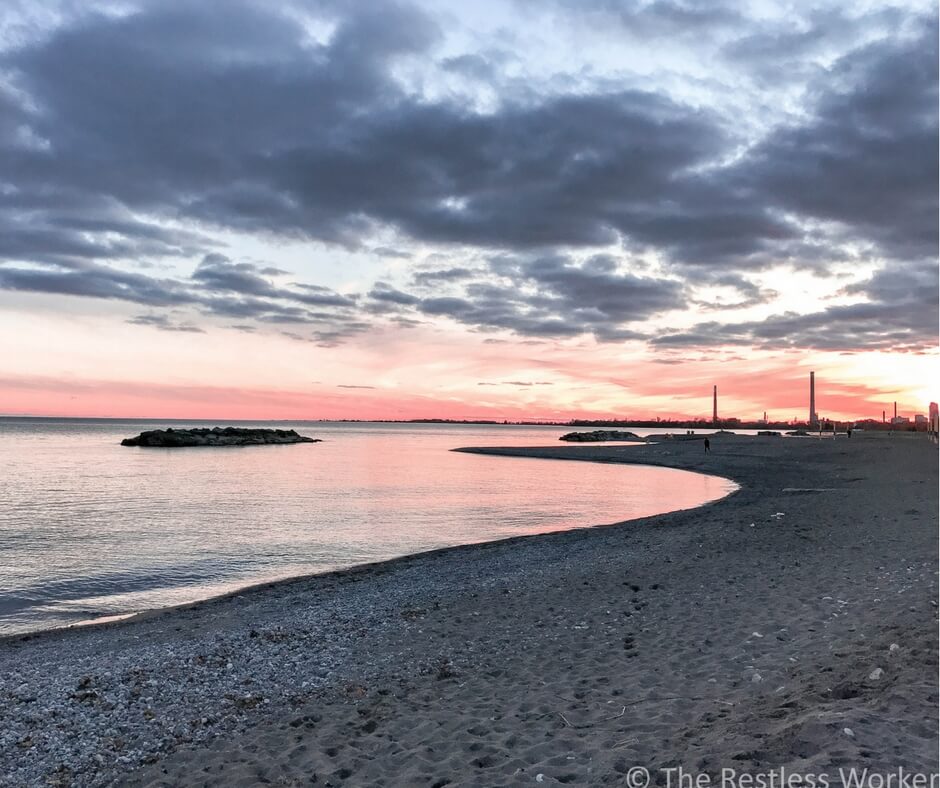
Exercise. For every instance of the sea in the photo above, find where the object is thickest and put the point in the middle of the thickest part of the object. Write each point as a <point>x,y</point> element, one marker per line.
<point>90,529</point>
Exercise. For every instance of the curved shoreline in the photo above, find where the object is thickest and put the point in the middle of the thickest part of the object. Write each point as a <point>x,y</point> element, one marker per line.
<point>270,586</point>
<point>742,634</point>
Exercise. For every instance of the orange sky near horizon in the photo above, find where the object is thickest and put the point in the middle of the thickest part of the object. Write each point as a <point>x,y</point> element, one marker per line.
<point>847,388</point>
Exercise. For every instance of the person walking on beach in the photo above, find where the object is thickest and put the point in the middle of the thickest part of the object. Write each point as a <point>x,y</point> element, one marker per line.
<point>707,446</point>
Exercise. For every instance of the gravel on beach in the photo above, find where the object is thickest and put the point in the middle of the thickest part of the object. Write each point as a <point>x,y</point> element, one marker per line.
<point>792,624</point>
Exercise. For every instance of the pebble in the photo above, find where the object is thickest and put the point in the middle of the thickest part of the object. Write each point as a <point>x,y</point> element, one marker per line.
<point>148,702</point>
<point>849,732</point>
<point>876,674</point>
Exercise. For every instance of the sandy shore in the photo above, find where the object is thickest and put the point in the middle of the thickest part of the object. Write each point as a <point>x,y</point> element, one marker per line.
<point>792,624</point>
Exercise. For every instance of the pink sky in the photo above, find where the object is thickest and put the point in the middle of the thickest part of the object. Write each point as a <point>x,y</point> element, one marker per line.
<point>559,385</point>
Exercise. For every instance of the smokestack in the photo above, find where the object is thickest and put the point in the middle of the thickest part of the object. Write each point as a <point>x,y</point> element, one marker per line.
<point>883,418</point>
<point>714,404</point>
<point>812,398</point>
<point>895,410</point>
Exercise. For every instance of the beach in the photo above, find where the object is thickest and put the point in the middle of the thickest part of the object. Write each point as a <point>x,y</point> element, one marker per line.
<point>792,624</point>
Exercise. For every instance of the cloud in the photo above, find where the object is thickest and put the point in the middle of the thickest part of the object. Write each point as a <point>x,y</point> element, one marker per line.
<point>658,18</point>
<point>866,157</point>
<point>130,139</point>
<point>163,323</point>
<point>218,287</point>
<point>252,127</point>
<point>520,383</point>
<point>386,293</point>
<point>97,282</point>
<point>548,296</point>
<point>436,277</point>
<point>902,314</point>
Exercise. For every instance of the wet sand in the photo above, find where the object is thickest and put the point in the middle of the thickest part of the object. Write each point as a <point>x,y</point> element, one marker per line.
<point>792,624</point>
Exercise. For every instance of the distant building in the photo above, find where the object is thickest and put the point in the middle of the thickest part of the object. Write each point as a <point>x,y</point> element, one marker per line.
<point>934,416</point>
<point>920,419</point>
<point>900,420</point>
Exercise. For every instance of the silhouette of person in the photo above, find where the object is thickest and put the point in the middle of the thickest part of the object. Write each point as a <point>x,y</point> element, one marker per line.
<point>707,446</point>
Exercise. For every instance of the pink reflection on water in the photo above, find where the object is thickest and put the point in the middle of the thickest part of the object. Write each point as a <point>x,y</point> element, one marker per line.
<point>88,527</point>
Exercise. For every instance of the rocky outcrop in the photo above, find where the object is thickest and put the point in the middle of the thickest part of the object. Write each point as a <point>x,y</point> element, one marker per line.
<point>769,433</point>
<point>598,436</point>
<point>217,436</point>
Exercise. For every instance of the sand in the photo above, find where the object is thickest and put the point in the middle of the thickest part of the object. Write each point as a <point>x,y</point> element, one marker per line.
<point>791,625</point>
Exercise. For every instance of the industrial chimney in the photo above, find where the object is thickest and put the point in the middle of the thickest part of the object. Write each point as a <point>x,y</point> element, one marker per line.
<point>714,404</point>
<point>812,399</point>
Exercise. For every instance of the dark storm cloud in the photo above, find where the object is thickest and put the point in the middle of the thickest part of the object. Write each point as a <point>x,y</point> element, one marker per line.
<point>867,156</point>
<point>257,129</point>
<point>114,130</point>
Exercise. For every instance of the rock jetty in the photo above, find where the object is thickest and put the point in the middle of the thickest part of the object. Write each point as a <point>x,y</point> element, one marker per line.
<point>598,436</point>
<point>217,436</point>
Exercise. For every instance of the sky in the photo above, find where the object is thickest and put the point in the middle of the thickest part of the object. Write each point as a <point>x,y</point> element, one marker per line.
<point>495,210</point>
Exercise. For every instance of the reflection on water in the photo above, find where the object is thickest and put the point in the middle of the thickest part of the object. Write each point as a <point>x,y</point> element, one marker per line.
<point>90,528</point>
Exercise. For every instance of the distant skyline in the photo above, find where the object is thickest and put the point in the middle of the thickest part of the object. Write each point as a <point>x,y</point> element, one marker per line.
<point>517,210</point>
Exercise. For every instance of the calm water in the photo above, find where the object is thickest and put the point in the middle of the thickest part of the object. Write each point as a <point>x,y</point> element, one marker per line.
<point>89,528</point>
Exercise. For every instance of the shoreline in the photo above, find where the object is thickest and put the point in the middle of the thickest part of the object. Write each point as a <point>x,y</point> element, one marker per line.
<point>112,620</point>
<point>509,659</point>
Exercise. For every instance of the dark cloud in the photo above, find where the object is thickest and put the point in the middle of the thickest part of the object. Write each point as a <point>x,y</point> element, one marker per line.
<point>395,254</point>
<point>218,287</point>
<point>433,278</point>
<point>388,294</point>
<point>866,158</point>
<point>548,296</point>
<point>902,314</point>
<point>643,19</point>
<point>259,130</point>
<point>164,323</point>
<point>800,45</point>
<point>96,282</point>
<point>116,130</point>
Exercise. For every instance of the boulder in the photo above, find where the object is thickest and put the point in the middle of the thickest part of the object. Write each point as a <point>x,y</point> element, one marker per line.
<point>598,436</point>
<point>217,436</point>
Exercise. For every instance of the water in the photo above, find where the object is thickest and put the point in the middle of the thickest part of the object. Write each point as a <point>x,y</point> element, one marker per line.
<point>89,528</point>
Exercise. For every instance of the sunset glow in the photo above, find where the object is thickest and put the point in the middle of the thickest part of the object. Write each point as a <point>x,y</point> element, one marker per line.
<point>325,213</point>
